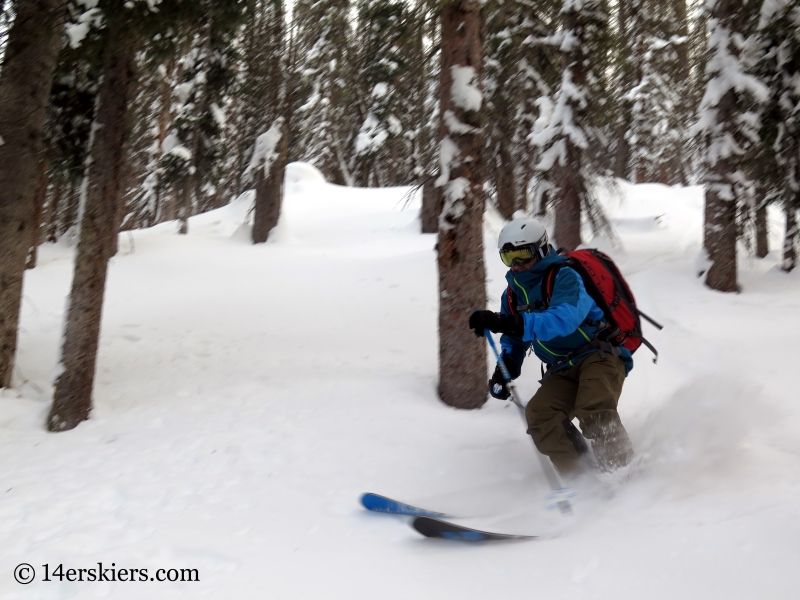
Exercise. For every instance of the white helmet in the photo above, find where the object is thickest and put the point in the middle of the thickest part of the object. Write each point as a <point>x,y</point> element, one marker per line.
<point>520,234</point>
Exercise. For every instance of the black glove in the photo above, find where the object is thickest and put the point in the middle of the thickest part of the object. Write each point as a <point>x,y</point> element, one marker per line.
<point>495,322</point>
<point>498,384</point>
<point>497,387</point>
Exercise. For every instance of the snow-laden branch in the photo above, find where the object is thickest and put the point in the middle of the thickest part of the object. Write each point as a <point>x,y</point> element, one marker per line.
<point>265,151</point>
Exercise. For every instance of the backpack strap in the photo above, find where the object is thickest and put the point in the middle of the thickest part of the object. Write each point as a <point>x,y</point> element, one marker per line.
<point>549,282</point>
<point>511,299</point>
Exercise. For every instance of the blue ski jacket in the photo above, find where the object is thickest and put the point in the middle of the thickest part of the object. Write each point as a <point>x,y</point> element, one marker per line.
<point>570,321</point>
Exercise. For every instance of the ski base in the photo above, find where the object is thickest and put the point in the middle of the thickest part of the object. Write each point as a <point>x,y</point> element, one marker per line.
<point>382,504</point>
<point>436,528</point>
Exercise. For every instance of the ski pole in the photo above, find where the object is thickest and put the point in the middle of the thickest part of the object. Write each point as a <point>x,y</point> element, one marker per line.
<point>549,470</point>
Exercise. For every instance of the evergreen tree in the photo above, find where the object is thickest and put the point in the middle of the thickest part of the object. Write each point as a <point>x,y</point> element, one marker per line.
<point>194,150</point>
<point>568,133</point>
<point>260,94</point>
<point>519,71</point>
<point>657,101</point>
<point>728,130</point>
<point>125,30</point>
<point>263,113</point>
<point>778,170</point>
<point>419,97</point>
<point>321,127</point>
<point>377,152</point>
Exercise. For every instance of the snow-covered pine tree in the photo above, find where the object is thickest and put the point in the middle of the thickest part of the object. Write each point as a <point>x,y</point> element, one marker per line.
<point>568,129</point>
<point>194,152</point>
<point>728,131</point>
<point>321,124</point>
<point>385,34</point>
<point>519,70</point>
<point>70,110</point>
<point>658,95</point>
<point>419,100</point>
<point>779,68</point>
<point>462,275</point>
<point>262,113</point>
<point>259,90</point>
<point>423,104</point>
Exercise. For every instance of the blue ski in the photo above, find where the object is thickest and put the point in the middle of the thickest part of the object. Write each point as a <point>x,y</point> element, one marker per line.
<point>377,503</point>
<point>435,528</point>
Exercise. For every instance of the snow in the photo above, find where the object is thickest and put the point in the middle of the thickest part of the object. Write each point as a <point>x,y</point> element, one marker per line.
<point>247,395</point>
<point>448,156</point>
<point>371,136</point>
<point>464,88</point>
<point>264,152</point>
<point>76,32</point>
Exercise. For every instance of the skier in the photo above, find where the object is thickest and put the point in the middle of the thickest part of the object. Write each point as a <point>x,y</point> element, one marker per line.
<point>584,373</point>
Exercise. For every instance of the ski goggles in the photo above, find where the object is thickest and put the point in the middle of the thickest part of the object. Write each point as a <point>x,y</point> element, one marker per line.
<point>516,256</point>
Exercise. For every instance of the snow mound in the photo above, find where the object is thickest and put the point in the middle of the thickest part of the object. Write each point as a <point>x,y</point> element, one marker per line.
<point>301,172</point>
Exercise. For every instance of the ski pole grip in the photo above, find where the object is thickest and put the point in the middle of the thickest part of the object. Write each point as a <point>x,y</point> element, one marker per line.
<point>500,362</point>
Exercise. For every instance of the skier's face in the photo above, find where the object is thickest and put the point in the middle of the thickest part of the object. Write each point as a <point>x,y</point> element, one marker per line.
<point>517,268</point>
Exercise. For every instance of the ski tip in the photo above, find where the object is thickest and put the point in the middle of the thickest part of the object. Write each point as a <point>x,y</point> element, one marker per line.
<point>382,504</point>
<point>436,528</point>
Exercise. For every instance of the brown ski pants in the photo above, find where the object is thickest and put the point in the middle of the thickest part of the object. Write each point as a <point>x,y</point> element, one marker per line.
<point>589,391</point>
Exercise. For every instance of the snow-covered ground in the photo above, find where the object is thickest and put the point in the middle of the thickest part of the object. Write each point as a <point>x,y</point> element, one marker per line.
<point>247,395</point>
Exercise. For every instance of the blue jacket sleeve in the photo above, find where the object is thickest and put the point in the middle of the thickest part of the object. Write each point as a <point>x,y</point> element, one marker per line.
<point>569,307</point>
<point>513,348</point>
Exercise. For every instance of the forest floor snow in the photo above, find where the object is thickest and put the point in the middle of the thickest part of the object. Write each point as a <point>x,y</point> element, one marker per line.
<point>247,395</point>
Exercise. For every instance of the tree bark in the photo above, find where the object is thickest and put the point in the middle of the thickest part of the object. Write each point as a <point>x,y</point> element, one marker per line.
<point>431,206</point>
<point>791,239</point>
<point>506,183</point>
<point>622,149</point>
<point>569,176</point>
<point>567,230</point>
<point>72,400</point>
<point>269,191</point>
<point>462,275</point>
<point>762,232</point>
<point>720,233</point>
<point>30,59</point>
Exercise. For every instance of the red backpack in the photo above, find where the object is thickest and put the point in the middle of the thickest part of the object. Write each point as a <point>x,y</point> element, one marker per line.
<point>608,288</point>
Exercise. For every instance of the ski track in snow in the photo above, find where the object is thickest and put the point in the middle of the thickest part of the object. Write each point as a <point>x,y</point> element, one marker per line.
<point>247,395</point>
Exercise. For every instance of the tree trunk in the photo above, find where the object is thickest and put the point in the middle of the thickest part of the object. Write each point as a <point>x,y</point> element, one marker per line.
<point>791,239</point>
<point>462,275</point>
<point>569,176</point>
<point>72,400</point>
<point>269,191</point>
<point>719,230</point>
<point>506,184</point>
<point>567,230</point>
<point>762,232</point>
<point>30,59</point>
<point>622,149</point>
<point>38,215</point>
<point>431,206</point>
